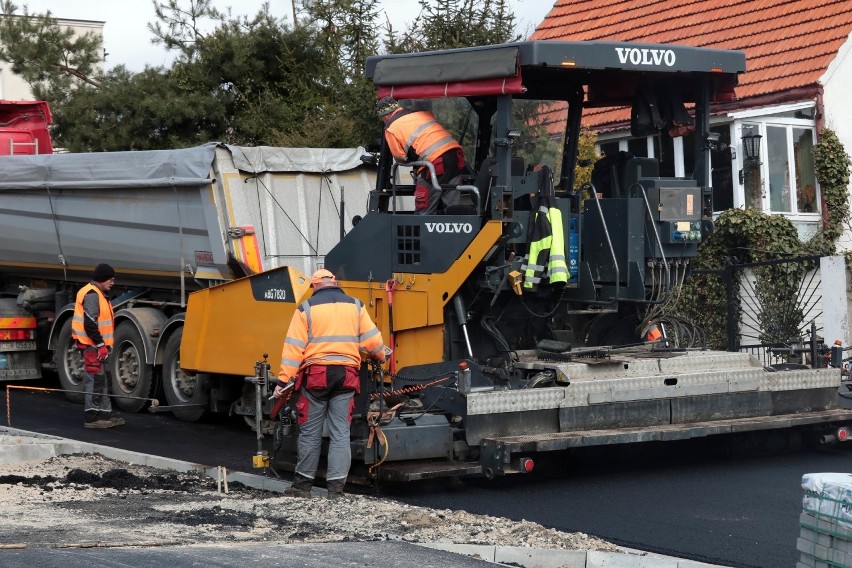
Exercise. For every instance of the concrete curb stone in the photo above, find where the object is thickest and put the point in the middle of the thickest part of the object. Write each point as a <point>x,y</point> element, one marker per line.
<point>551,558</point>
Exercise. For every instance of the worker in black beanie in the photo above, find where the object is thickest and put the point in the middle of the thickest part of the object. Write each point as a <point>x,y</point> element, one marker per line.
<point>92,328</point>
<point>103,272</point>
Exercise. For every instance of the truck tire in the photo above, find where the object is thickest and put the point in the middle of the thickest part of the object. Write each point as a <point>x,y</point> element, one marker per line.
<point>69,364</point>
<point>183,388</point>
<point>131,376</point>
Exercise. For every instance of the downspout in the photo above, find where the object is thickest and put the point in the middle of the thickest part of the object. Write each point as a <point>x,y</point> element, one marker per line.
<point>820,111</point>
<point>819,122</point>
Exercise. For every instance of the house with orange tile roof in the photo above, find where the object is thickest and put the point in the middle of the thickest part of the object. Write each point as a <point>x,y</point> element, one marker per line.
<point>798,80</point>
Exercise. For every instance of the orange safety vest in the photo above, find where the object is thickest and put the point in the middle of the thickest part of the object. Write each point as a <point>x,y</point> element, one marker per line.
<point>329,328</point>
<point>106,319</point>
<point>417,135</point>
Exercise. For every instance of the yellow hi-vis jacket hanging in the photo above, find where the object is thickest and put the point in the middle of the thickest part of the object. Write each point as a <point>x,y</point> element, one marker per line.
<point>547,253</point>
<point>547,239</point>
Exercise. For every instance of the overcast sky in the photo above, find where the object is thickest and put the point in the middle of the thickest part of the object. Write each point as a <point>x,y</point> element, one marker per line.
<point>127,40</point>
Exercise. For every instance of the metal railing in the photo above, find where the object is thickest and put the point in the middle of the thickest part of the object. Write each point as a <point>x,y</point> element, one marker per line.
<point>773,308</point>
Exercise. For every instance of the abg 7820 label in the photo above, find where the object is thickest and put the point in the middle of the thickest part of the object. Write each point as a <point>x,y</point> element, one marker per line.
<point>275,294</point>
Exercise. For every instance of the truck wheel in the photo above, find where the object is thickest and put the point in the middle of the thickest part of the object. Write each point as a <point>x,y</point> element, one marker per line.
<point>131,375</point>
<point>183,388</point>
<point>69,364</point>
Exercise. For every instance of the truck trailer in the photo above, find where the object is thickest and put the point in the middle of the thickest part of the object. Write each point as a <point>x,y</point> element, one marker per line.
<point>170,222</point>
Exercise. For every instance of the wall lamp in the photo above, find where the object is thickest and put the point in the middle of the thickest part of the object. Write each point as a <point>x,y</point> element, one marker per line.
<point>751,149</point>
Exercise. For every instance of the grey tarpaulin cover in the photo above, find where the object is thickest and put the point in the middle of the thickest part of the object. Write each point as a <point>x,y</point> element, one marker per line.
<point>309,160</point>
<point>156,168</point>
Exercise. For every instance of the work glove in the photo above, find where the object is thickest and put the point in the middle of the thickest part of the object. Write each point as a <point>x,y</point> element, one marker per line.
<point>382,355</point>
<point>103,353</point>
<point>279,391</point>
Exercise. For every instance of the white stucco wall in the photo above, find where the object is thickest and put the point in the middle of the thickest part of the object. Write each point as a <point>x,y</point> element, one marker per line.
<point>837,84</point>
<point>834,299</point>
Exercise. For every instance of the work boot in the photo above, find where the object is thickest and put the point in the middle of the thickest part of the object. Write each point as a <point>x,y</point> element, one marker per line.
<point>335,488</point>
<point>115,421</point>
<point>301,487</point>
<point>98,424</point>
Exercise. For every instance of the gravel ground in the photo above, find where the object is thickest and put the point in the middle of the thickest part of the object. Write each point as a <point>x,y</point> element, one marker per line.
<point>89,500</point>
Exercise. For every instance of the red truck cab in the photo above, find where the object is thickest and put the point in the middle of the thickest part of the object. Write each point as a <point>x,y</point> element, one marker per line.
<point>23,128</point>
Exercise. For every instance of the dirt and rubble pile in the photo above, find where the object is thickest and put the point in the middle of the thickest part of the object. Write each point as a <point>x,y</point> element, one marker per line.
<point>86,500</point>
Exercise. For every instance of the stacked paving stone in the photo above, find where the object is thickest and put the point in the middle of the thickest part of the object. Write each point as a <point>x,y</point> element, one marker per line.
<point>825,540</point>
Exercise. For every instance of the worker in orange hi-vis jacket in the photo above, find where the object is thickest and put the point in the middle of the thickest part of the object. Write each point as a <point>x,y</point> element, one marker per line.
<point>322,353</point>
<point>416,136</point>
<point>92,329</point>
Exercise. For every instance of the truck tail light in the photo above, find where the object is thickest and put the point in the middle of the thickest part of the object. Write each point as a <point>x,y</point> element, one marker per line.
<point>17,334</point>
<point>842,434</point>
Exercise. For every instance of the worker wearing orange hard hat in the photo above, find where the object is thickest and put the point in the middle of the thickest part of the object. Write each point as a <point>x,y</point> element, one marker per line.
<point>322,353</point>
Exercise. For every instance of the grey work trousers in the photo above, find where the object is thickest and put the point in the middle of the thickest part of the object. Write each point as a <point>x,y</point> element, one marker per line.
<point>96,402</point>
<point>335,410</point>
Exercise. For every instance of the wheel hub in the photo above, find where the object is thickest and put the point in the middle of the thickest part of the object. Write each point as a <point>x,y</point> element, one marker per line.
<point>185,384</point>
<point>128,368</point>
<point>74,364</point>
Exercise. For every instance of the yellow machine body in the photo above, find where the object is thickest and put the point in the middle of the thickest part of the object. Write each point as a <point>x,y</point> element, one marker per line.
<point>230,326</point>
<point>419,301</point>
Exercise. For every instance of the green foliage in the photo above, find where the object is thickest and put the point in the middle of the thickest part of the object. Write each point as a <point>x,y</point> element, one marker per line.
<point>268,79</point>
<point>586,151</point>
<point>180,28</point>
<point>740,236</point>
<point>462,23</point>
<point>347,35</point>
<point>832,164</point>
<point>244,80</point>
<point>747,236</point>
<point>51,59</point>
<point>137,111</point>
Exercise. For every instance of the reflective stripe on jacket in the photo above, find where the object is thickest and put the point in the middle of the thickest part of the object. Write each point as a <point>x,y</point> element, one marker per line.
<point>329,328</point>
<point>557,267</point>
<point>417,135</point>
<point>536,259</point>
<point>106,318</point>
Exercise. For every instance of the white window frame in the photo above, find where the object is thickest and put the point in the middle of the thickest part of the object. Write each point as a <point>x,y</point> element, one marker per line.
<point>763,118</point>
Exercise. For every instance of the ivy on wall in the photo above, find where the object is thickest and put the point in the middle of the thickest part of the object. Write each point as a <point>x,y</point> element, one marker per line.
<point>832,164</point>
<point>749,235</point>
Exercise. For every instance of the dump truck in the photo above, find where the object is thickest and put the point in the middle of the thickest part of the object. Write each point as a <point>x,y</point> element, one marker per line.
<point>170,222</point>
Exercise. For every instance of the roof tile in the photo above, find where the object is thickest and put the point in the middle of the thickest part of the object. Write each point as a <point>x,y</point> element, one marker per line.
<point>788,43</point>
